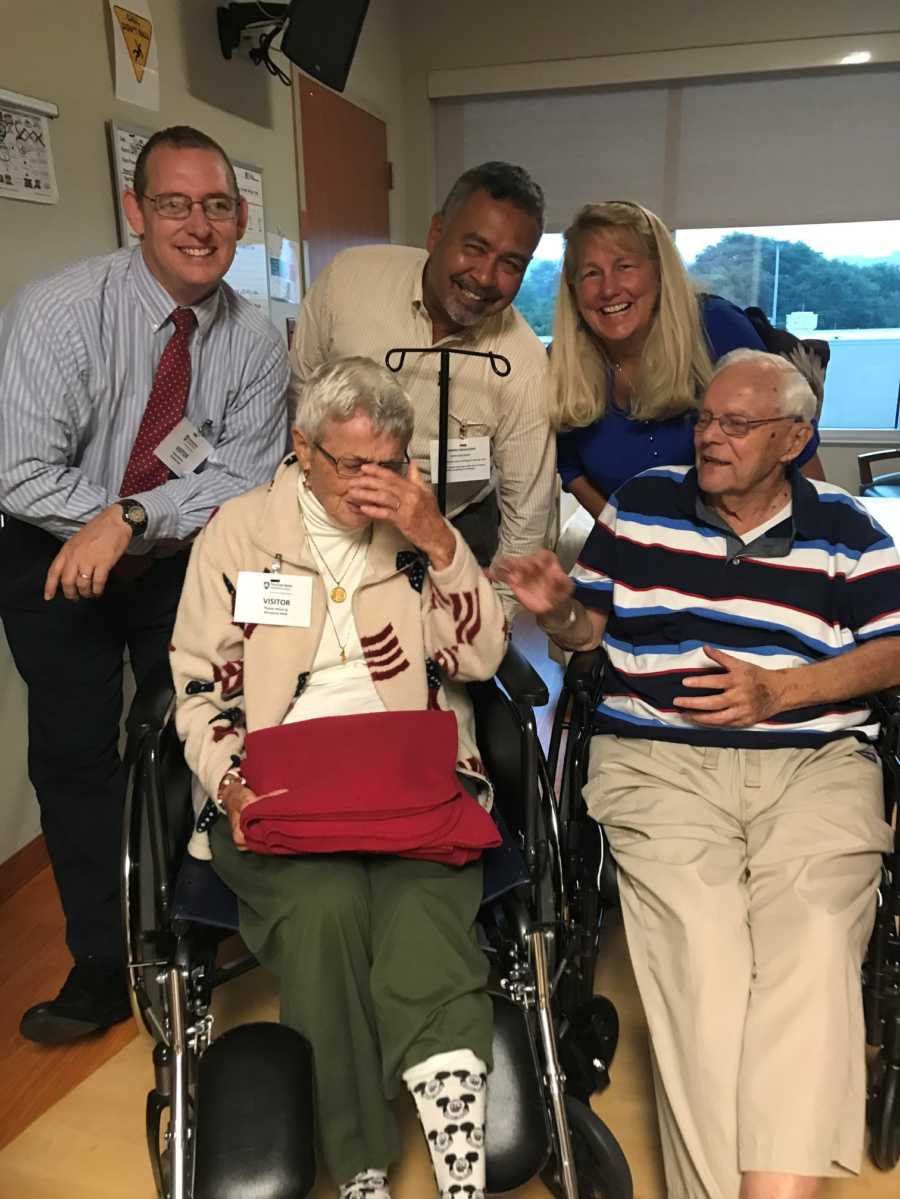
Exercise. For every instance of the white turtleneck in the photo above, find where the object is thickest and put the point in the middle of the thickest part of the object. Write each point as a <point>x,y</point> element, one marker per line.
<point>335,688</point>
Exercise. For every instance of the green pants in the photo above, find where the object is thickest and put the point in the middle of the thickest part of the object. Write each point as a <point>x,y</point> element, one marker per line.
<point>379,969</point>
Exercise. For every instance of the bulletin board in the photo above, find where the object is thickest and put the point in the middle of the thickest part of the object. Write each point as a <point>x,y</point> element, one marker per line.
<point>249,274</point>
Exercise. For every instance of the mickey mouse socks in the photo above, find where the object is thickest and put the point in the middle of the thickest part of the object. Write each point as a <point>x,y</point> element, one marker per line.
<point>450,1093</point>
<point>368,1184</point>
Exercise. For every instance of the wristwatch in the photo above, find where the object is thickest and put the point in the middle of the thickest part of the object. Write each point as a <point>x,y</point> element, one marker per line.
<point>134,515</point>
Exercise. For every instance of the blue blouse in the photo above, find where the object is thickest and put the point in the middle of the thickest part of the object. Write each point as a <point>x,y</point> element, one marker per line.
<point>616,448</point>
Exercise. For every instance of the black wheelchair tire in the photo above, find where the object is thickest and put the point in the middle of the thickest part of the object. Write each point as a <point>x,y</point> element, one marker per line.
<point>884,1120</point>
<point>600,1165</point>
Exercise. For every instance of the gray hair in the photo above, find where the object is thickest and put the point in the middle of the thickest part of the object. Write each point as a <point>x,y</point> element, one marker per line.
<point>337,390</point>
<point>796,396</point>
<point>502,181</point>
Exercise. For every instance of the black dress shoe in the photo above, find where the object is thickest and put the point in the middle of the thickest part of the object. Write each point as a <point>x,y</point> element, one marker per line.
<point>93,997</point>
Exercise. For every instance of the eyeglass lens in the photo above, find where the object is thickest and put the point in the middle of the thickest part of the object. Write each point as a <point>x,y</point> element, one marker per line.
<point>215,208</point>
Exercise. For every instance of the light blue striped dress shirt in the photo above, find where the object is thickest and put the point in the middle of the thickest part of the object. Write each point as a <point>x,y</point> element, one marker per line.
<point>78,352</point>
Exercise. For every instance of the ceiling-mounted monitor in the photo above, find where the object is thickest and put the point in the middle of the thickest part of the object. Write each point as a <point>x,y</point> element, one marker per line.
<point>320,37</point>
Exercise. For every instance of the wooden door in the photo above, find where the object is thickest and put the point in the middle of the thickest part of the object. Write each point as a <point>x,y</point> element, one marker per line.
<point>346,175</point>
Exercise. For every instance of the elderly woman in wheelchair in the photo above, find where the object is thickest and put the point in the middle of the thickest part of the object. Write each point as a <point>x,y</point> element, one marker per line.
<point>325,626</point>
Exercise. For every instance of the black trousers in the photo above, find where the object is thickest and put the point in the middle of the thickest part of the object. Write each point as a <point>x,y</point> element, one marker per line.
<point>71,657</point>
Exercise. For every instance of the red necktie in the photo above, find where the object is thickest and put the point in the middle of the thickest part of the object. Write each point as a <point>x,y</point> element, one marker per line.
<point>165,408</point>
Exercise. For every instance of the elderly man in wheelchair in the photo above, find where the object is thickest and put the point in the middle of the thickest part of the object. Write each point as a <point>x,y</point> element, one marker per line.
<point>327,626</point>
<point>744,610</point>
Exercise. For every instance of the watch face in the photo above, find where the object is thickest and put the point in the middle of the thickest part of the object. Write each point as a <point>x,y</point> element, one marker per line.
<point>134,514</point>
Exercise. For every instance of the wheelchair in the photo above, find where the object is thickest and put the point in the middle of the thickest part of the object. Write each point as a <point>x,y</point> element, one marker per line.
<point>881,969</point>
<point>591,871</point>
<point>233,1116</point>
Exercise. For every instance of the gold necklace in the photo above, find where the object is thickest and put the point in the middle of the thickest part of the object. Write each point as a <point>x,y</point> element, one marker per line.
<point>337,593</point>
<point>341,645</point>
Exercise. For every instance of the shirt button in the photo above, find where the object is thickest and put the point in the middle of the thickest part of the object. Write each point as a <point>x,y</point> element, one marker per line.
<point>652,437</point>
<point>656,453</point>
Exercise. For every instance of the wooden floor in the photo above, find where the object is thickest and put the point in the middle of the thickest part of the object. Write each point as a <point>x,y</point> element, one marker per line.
<point>34,963</point>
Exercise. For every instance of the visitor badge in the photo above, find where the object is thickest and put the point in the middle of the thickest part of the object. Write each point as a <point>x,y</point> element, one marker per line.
<point>264,598</point>
<point>184,449</point>
<point>468,459</point>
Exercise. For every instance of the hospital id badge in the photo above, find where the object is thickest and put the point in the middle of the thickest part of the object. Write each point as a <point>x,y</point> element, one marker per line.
<point>468,459</point>
<point>264,598</point>
<point>184,449</point>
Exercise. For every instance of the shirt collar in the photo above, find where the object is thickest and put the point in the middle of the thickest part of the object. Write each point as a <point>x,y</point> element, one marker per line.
<point>489,328</point>
<point>804,504</point>
<point>158,304</point>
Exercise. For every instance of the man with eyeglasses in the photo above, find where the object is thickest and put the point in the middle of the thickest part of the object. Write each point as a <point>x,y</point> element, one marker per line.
<point>138,392</point>
<point>747,613</point>
<point>457,292</point>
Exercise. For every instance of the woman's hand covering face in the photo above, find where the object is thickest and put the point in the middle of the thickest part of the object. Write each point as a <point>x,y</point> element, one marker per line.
<point>408,504</point>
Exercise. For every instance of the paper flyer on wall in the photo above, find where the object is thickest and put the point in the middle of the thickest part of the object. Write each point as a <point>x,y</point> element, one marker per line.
<point>284,268</point>
<point>26,157</point>
<point>249,273</point>
<point>126,146</point>
<point>137,64</point>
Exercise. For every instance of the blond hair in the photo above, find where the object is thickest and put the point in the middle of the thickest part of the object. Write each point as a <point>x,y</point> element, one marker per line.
<point>675,362</point>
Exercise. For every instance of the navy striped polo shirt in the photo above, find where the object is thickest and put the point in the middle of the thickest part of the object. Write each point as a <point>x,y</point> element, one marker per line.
<point>673,578</point>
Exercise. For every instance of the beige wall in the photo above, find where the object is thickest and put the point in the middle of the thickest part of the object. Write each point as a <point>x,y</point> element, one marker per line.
<point>59,50</point>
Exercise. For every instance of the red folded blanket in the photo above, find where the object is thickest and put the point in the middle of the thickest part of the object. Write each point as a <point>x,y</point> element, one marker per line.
<point>382,782</point>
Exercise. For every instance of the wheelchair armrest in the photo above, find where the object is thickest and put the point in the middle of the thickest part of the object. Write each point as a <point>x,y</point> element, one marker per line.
<point>521,681</point>
<point>152,701</point>
<point>584,674</point>
<point>889,701</point>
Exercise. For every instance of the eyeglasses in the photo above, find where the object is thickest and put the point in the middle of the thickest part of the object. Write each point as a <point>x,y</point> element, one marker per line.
<point>349,468</point>
<point>176,207</point>
<point>736,426</point>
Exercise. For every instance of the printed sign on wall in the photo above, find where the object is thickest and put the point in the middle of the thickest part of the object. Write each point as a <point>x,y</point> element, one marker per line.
<point>137,68</point>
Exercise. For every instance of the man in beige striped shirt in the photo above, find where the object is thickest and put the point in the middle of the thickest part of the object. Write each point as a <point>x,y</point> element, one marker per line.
<point>458,293</point>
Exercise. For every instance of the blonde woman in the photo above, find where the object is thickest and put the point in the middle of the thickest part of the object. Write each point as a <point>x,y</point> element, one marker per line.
<point>633,349</point>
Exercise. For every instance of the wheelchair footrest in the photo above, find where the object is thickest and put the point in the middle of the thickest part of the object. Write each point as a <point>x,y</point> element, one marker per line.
<point>254,1131</point>
<point>517,1133</point>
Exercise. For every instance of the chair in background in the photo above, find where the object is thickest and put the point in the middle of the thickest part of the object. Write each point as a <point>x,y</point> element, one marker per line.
<point>885,486</point>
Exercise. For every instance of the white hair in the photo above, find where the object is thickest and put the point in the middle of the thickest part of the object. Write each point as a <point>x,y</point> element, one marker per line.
<point>337,390</point>
<point>796,396</point>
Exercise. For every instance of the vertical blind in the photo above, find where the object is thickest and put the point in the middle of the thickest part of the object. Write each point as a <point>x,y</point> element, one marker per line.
<point>809,147</point>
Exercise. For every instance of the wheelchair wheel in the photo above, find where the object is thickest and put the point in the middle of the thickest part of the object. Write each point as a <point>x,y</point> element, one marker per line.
<point>600,1165</point>
<point>884,1114</point>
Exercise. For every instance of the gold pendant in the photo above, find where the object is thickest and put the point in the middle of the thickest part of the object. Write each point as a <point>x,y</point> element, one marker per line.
<point>343,654</point>
<point>338,594</point>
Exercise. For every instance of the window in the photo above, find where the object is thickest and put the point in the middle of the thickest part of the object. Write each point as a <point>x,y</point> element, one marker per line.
<point>537,296</point>
<point>839,282</point>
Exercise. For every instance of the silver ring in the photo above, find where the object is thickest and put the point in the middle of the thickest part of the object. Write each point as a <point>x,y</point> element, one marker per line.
<point>82,575</point>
